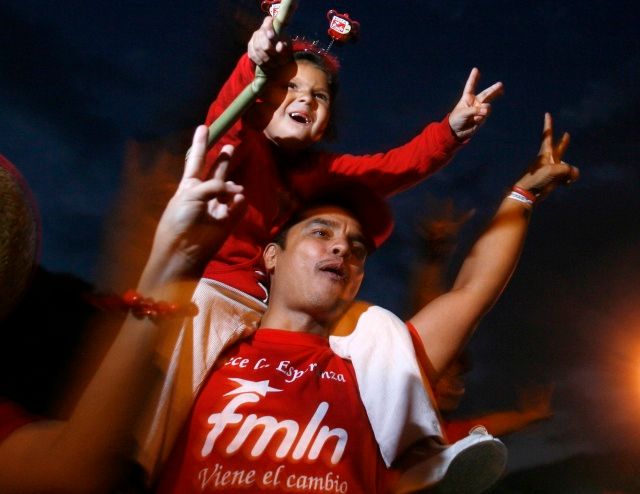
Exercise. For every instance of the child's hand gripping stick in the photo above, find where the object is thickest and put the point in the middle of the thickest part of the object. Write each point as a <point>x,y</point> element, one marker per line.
<point>245,99</point>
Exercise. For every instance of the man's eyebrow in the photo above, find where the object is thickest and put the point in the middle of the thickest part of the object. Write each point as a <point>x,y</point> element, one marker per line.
<point>321,221</point>
<point>357,237</point>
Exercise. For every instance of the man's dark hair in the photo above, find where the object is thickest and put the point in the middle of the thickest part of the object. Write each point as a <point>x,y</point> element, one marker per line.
<point>371,211</point>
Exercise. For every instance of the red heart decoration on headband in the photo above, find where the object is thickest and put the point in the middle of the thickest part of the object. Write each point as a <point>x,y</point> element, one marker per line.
<point>271,7</point>
<point>341,27</point>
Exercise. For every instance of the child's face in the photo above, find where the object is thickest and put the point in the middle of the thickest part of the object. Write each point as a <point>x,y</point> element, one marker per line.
<point>303,112</point>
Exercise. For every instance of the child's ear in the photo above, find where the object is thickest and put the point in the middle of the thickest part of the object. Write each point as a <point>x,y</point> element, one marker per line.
<point>270,256</point>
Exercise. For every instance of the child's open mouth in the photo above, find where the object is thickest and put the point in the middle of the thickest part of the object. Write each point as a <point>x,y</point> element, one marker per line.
<point>300,117</point>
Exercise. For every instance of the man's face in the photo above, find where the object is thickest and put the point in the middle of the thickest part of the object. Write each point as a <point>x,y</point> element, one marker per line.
<point>304,105</point>
<point>321,267</point>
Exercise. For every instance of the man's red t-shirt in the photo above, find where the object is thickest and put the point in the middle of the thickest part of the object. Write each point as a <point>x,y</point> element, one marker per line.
<point>280,413</point>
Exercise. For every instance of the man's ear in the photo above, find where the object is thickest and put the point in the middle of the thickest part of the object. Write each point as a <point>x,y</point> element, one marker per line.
<point>270,255</point>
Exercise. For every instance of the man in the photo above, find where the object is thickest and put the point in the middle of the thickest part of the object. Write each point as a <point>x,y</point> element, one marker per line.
<point>282,411</point>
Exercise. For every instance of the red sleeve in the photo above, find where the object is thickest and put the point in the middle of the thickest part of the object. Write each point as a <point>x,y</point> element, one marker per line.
<point>12,417</point>
<point>241,76</point>
<point>400,168</point>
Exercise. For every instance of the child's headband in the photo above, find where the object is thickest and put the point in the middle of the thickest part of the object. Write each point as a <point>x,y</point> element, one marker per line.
<point>342,29</point>
<point>302,45</point>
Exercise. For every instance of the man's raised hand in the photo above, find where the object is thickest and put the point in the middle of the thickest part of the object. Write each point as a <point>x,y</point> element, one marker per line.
<point>548,170</point>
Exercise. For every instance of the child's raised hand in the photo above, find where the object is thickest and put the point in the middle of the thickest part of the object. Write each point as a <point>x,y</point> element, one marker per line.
<point>268,50</point>
<point>473,109</point>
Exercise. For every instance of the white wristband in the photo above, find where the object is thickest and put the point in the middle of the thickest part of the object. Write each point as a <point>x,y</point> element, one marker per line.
<point>519,197</point>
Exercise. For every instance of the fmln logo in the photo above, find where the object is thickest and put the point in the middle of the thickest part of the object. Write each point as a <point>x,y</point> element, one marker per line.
<point>298,441</point>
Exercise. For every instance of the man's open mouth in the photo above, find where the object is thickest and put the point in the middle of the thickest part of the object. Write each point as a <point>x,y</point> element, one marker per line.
<point>334,268</point>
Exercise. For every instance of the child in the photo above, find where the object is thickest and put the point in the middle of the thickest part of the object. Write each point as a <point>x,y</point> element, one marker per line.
<point>274,161</point>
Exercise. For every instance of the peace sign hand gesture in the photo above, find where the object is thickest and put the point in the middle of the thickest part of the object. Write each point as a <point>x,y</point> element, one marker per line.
<point>548,170</point>
<point>198,218</point>
<point>473,109</point>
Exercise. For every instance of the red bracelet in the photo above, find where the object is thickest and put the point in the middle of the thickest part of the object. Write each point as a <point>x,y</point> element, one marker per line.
<point>526,193</point>
<point>142,307</point>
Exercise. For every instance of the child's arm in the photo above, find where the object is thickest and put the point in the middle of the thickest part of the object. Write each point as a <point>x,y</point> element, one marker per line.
<point>241,76</point>
<point>265,49</point>
<point>404,166</point>
<point>447,322</point>
<point>388,172</point>
<point>83,453</point>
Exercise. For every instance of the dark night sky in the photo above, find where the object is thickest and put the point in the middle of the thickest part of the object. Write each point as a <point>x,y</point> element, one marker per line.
<point>79,79</point>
